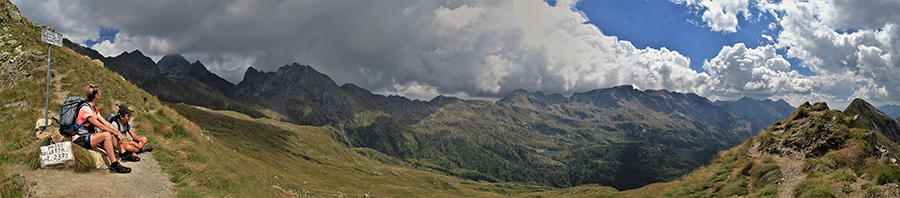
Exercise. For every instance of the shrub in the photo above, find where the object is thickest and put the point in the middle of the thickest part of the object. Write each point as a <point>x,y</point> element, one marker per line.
<point>813,188</point>
<point>9,186</point>
<point>847,189</point>
<point>843,176</point>
<point>872,192</point>
<point>866,186</point>
<point>889,175</point>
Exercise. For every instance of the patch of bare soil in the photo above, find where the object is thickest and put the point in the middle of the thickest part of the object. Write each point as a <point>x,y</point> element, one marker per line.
<point>145,180</point>
<point>791,167</point>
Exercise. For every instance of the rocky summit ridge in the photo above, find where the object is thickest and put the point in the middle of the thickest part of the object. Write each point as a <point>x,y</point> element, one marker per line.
<point>816,152</point>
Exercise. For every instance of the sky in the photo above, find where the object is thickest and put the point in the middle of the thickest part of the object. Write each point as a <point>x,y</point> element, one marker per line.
<point>821,50</point>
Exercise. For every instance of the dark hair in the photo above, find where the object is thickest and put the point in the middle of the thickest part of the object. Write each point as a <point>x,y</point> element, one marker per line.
<point>92,91</point>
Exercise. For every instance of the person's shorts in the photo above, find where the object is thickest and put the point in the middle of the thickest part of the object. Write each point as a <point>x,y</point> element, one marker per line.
<point>83,141</point>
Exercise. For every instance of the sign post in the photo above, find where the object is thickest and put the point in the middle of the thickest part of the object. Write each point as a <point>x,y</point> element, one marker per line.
<point>52,38</point>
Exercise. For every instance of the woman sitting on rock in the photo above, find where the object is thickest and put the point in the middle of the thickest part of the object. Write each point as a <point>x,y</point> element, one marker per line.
<point>108,136</point>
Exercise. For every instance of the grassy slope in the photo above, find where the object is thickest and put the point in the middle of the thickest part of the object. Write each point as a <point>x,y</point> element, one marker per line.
<point>310,160</point>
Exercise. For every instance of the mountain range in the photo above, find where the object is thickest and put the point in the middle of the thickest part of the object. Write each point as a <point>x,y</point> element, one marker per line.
<point>890,110</point>
<point>761,112</point>
<point>620,136</point>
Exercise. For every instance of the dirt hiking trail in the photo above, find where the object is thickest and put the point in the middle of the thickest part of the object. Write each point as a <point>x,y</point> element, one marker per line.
<point>145,180</point>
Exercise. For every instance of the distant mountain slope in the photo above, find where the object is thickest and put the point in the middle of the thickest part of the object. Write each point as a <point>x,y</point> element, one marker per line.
<point>816,152</point>
<point>868,117</point>
<point>620,136</point>
<point>767,111</point>
<point>891,110</point>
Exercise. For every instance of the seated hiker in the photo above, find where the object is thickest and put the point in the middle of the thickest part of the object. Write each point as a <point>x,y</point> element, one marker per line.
<point>133,143</point>
<point>90,138</point>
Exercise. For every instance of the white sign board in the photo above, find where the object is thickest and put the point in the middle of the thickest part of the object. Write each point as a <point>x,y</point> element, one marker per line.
<point>57,154</point>
<point>51,37</point>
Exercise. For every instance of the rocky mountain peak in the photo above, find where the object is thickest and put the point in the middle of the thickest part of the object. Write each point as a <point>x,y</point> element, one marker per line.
<point>868,117</point>
<point>173,61</point>
<point>442,100</point>
<point>253,77</point>
<point>135,53</point>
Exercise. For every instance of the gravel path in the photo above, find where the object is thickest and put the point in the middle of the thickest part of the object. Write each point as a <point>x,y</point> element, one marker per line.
<point>792,169</point>
<point>145,180</point>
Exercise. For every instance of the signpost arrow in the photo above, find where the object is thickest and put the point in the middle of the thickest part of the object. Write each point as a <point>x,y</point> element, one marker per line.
<point>52,38</point>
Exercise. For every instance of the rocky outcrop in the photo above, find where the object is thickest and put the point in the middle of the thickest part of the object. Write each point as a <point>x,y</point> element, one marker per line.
<point>13,12</point>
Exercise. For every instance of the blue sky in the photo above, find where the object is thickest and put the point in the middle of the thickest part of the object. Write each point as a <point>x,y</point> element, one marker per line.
<point>105,34</point>
<point>658,24</point>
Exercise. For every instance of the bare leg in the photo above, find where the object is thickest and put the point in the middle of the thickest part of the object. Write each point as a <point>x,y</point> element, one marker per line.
<point>130,146</point>
<point>107,140</point>
<point>117,144</point>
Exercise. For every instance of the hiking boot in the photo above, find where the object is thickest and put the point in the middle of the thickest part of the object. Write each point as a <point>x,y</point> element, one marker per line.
<point>130,157</point>
<point>147,148</point>
<point>115,167</point>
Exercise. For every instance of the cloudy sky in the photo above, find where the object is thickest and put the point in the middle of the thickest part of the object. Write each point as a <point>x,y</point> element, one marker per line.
<point>821,50</point>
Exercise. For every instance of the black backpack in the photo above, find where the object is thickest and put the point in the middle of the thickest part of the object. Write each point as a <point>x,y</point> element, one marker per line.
<point>68,116</point>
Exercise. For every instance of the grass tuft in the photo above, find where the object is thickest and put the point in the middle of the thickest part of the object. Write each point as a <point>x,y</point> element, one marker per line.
<point>84,162</point>
<point>889,175</point>
<point>843,176</point>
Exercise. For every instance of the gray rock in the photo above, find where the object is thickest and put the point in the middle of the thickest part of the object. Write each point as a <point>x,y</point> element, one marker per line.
<point>14,14</point>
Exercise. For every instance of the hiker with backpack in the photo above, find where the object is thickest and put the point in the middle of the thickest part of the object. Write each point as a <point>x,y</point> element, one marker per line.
<point>80,119</point>
<point>133,144</point>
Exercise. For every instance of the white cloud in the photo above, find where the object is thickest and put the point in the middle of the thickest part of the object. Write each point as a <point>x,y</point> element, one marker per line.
<point>720,15</point>
<point>414,90</point>
<point>479,48</point>
<point>759,72</point>
<point>865,60</point>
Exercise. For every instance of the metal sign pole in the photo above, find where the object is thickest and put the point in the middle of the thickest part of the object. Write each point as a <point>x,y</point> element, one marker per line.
<point>47,107</point>
<point>52,38</point>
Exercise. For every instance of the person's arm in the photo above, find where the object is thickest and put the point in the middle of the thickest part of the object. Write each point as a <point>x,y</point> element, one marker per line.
<point>131,131</point>
<point>105,126</point>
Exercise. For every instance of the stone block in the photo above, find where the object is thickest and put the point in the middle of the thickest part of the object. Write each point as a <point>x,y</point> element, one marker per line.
<point>99,158</point>
<point>50,131</point>
<point>57,155</point>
